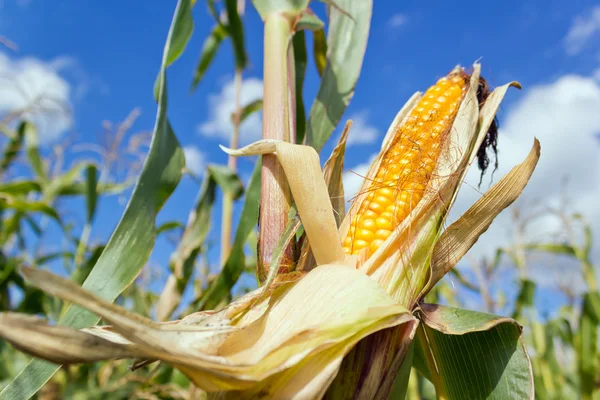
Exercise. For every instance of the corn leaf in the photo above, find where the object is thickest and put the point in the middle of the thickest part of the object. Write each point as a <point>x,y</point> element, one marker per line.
<point>525,298</point>
<point>91,194</point>
<point>249,109</point>
<point>472,355</point>
<point>299,43</point>
<point>320,50</point>
<point>587,348</point>
<point>209,50</point>
<point>236,31</point>
<point>25,206</point>
<point>347,42</point>
<point>183,259</point>
<point>12,149</point>
<point>32,149</point>
<point>118,266</point>
<point>220,288</point>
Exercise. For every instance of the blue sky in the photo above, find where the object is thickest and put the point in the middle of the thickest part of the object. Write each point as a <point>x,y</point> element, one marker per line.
<point>102,59</point>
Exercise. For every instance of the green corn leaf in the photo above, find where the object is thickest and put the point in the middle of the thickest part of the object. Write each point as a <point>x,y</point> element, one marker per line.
<point>169,226</point>
<point>118,265</point>
<point>587,348</point>
<point>472,355</point>
<point>26,206</point>
<point>236,31</point>
<point>30,133</point>
<point>209,50</point>
<point>20,187</point>
<point>91,194</point>
<point>553,248</point>
<point>249,109</point>
<point>183,259</point>
<point>299,43</point>
<point>11,150</point>
<point>525,297</point>
<point>320,50</point>
<point>347,42</point>
<point>234,266</point>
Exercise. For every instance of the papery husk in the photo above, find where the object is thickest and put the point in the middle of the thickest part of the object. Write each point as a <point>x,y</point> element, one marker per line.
<point>289,342</point>
<point>303,172</point>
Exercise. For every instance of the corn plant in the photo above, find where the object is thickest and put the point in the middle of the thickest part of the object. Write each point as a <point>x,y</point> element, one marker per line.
<point>340,309</point>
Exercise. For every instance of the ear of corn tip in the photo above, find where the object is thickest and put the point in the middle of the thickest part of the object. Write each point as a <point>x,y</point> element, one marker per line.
<point>406,167</point>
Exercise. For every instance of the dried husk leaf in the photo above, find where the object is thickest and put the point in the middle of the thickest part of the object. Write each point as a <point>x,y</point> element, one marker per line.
<point>305,178</point>
<point>459,237</point>
<point>292,341</point>
<point>333,172</point>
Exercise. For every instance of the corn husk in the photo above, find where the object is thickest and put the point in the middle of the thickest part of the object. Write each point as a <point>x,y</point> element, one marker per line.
<point>288,343</point>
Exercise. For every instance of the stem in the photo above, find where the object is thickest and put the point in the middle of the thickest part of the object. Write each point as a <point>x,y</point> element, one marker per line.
<point>277,124</point>
<point>227,211</point>
<point>232,164</point>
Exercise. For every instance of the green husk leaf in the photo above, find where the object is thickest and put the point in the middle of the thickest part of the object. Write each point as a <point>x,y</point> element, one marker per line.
<point>472,355</point>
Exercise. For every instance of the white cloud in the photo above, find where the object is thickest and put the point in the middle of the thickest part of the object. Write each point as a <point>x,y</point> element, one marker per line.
<point>194,160</point>
<point>353,179</point>
<point>397,20</point>
<point>362,132</point>
<point>564,116</point>
<point>35,87</point>
<point>582,31</point>
<point>222,104</point>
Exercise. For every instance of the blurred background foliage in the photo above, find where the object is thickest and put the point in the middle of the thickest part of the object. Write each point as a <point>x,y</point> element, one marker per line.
<point>47,216</point>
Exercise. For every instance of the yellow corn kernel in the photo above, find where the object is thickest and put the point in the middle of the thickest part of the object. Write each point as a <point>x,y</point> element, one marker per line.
<point>407,165</point>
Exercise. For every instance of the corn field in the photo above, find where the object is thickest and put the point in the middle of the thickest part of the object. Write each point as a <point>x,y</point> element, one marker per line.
<point>310,291</point>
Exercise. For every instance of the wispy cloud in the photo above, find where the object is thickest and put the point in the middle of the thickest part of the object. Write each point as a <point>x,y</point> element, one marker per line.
<point>195,160</point>
<point>37,90</point>
<point>585,29</point>
<point>222,104</point>
<point>362,132</point>
<point>397,20</point>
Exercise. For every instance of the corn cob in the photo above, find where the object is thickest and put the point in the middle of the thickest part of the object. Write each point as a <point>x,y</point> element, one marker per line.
<point>407,165</point>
